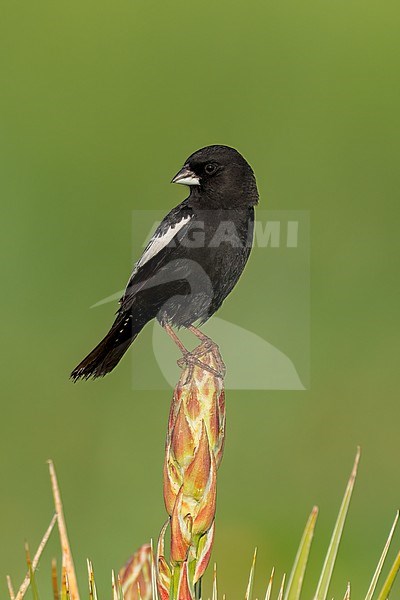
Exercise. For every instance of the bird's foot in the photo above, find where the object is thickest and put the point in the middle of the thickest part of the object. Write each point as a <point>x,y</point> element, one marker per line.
<point>193,358</point>
<point>208,345</point>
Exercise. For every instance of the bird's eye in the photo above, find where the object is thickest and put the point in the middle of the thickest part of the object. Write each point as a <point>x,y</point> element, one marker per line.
<point>210,168</point>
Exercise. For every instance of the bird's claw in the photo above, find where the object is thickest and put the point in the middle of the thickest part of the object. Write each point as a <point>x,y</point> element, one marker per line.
<point>193,358</point>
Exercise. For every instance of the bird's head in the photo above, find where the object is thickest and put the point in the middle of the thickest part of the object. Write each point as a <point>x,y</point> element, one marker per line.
<point>219,175</point>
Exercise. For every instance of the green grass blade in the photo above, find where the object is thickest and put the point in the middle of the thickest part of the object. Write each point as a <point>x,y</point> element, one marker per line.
<point>114,586</point>
<point>10,588</point>
<point>297,575</point>
<point>91,581</point>
<point>327,570</point>
<point>54,580</point>
<point>32,578</point>
<point>34,589</point>
<point>25,584</point>
<point>64,591</point>
<point>382,559</point>
<point>282,588</point>
<point>348,592</point>
<point>387,586</point>
<point>67,560</point>
<point>249,590</point>
<point>269,588</point>
<point>120,591</point>
<point>215,586</point>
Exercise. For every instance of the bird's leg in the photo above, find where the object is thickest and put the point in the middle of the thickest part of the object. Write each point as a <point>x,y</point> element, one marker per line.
<point>189,358</point>
<point>175,338</point>
<point>206,341</point>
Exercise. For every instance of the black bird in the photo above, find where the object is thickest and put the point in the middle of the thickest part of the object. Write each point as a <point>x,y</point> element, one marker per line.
<point>193,260</point>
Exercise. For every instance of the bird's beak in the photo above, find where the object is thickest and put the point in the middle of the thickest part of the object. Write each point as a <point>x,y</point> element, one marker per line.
<point>186,177</point>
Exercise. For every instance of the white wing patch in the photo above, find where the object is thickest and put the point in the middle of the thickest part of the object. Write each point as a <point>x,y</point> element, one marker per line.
<point>159,241</point>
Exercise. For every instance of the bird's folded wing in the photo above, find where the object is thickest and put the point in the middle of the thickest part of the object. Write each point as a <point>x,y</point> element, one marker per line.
<point>163,236</point>
<point>159,249</point>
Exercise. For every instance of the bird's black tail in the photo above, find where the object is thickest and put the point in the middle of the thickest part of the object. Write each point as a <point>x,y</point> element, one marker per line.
<point>107,354</point>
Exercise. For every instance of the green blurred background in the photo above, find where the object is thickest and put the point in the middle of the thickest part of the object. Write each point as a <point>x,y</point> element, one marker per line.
<point>100,104</point>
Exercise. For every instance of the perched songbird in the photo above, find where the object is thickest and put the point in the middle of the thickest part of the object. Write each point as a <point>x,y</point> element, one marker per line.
<point>193,260</point>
